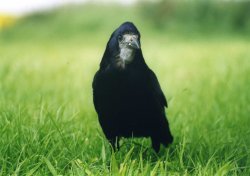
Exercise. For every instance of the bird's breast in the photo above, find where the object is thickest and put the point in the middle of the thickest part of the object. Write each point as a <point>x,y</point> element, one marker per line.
<point>124,92</point>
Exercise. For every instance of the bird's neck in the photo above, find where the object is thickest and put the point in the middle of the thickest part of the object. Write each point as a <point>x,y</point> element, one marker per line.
<point>127,54</point>
<point>125,57</point>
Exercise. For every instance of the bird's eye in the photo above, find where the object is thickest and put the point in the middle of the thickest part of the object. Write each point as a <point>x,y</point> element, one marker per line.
<point>119,37</point>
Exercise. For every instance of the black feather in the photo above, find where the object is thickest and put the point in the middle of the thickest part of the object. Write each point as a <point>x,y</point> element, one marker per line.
<point>129,102</point>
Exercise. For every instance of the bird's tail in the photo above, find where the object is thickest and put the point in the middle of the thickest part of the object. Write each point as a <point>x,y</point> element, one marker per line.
<point>166,137</point>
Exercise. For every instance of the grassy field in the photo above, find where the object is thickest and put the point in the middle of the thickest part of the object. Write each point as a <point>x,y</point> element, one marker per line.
<point>48,125</point>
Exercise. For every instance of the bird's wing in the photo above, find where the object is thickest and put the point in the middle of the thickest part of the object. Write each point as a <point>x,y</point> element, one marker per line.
<point>156,89</point>
<point>94,87</point>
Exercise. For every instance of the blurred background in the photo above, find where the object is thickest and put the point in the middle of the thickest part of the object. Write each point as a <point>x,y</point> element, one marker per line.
<point>178,17</point>
<point>51,49</point>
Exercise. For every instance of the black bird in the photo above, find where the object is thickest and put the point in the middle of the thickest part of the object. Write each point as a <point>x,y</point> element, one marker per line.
<point>127,94</point>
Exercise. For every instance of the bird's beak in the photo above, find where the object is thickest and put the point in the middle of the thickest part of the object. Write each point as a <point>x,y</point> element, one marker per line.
<point>134,43</point>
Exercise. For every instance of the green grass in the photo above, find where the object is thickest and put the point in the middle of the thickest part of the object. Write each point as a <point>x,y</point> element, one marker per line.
<point>48,125</point>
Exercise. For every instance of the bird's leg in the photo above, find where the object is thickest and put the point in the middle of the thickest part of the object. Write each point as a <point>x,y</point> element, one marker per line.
<point>115,143</point>
<point>155,144</point>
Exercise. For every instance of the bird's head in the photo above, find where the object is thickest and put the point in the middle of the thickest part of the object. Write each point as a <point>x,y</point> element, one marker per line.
<point>128,36</point>
<point>123,45</point>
